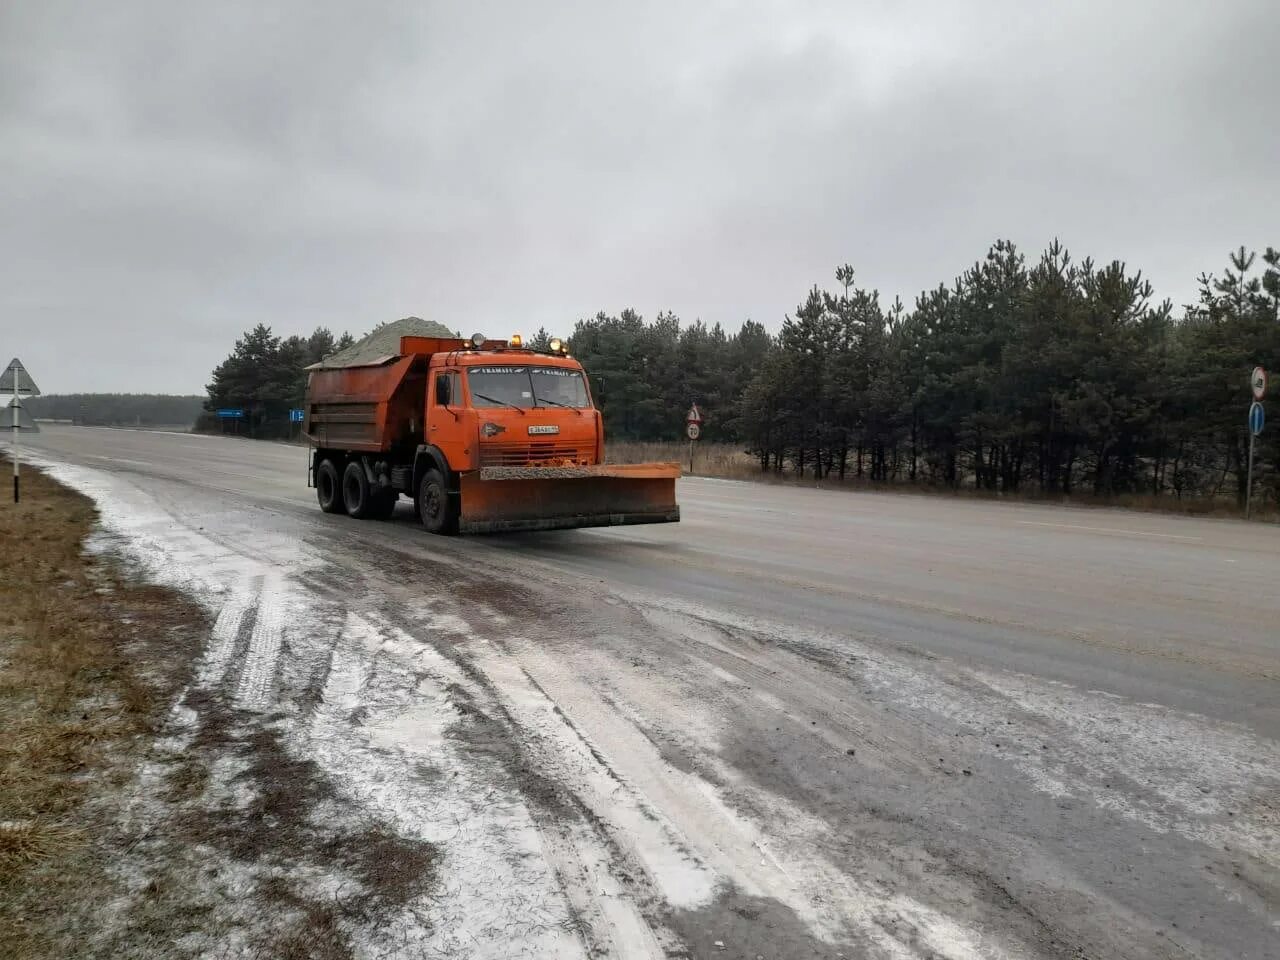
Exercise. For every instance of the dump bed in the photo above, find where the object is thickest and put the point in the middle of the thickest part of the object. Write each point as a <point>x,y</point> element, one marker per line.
<point>376,405</point>
<point>370,407</point>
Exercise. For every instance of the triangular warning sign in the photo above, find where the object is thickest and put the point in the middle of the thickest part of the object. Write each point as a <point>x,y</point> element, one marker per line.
<point>25,423</point>
<point>17,373</point>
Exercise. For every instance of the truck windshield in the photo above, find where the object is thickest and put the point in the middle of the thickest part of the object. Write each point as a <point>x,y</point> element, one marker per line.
<point>527,386</point>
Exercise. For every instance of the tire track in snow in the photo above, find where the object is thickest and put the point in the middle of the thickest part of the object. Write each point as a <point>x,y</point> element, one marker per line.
<point>615,906</point>
<point>226,630</point>
<point>683,878</point>
<point>387,713</point>
<point>688,829</point>
<point>257,678</point>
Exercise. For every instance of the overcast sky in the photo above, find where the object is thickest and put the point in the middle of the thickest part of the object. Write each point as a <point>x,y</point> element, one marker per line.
<point>173,173</point>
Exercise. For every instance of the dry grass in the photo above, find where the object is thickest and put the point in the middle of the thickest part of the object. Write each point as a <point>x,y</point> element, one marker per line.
<point>709,459</point>
<point>27,842</point>
<point>71,707</point>
<point>729,461</point>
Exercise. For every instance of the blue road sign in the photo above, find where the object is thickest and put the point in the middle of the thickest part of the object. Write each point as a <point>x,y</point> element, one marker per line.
<point>231,414</point>
<point>295,416</point>
<point>1257,417</point>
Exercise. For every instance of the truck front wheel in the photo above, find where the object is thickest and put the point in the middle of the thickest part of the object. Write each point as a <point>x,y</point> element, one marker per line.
<point>328,488</point>
<point>437,508</point>
<point>356,492</point>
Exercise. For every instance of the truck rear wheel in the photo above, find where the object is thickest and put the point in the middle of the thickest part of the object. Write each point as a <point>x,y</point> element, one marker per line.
<point>328,488</point>
<point>355,491</point>
<point>437,508</point>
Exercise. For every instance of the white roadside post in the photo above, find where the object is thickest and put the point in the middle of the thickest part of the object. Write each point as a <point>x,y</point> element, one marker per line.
<point>16,494</point>
<point>16,379</point>
<point>1257,417</point>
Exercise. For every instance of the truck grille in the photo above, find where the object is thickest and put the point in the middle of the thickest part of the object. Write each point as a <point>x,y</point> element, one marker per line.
<point>536,452</point>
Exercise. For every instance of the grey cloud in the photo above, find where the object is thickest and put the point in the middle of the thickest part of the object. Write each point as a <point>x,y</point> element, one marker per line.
<point>173,174</point>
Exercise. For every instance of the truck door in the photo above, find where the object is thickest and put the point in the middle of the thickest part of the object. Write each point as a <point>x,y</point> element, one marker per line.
<point>450,424</point>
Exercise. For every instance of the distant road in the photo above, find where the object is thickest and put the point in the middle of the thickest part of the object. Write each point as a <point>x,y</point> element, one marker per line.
<point>971,727</point>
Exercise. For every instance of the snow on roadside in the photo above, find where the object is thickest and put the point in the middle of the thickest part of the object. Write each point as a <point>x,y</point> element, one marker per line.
<point>776,851</point>
<point>500,898</point>
<point>1098,739</point>
<point>387,733</point>
<point>1153,746</point>
<point>684,878</point>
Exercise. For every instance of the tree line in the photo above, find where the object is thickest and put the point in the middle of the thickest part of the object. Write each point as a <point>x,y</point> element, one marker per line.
<point>1053,376</point>
<point>117,409</point>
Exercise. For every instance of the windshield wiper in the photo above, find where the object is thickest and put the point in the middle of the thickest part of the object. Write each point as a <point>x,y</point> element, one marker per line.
<point>567,406</point>
<point>505,403</point>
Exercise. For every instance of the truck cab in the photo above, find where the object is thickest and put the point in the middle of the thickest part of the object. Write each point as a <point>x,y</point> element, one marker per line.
<point>512,408</point>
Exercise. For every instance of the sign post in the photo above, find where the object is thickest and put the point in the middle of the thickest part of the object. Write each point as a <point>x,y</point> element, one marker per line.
<point>234,414</point>
<point>16,379</point>
<point>692,430</point>
<point>1257,418</point>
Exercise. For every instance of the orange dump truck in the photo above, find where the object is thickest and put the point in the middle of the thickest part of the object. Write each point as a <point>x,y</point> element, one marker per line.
<point>483,435</point>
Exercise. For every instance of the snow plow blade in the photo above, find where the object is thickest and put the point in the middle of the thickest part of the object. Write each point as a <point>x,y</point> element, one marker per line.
<point>510,499</point>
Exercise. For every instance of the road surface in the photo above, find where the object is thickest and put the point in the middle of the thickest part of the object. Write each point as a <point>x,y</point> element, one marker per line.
<point>799,723</point>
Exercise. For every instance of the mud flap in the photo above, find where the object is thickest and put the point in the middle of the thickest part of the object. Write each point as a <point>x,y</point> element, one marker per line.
<point>498,499</point>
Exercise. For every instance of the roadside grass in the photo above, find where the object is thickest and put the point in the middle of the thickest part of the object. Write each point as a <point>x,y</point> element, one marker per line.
<point>729,461</point>
<point>75,708</point>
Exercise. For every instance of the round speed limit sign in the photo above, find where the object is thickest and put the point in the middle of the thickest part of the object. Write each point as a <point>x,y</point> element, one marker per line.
<point>692,430</point>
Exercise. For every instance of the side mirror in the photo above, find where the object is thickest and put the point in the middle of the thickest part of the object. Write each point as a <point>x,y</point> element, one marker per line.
<point>599,392</point>
<point>443,399</point>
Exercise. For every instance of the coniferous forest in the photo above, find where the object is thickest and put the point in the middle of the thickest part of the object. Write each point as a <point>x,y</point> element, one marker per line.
<point>1042,375</point>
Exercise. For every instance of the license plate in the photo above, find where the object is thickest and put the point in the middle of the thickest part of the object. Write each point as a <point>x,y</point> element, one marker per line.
<point>543,430</point>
